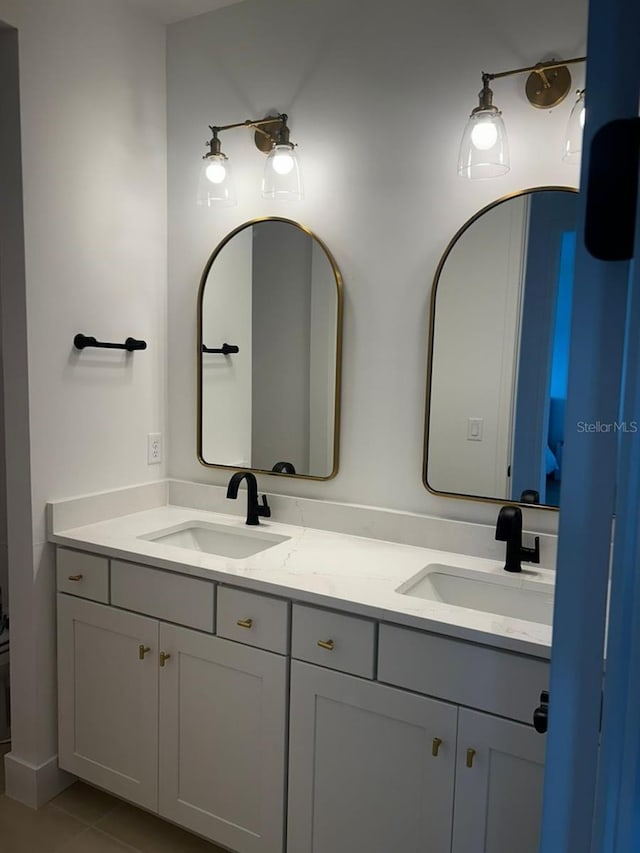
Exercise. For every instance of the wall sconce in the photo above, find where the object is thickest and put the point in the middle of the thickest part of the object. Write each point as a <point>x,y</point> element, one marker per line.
<point>281,179</point>
<point>484,150</point>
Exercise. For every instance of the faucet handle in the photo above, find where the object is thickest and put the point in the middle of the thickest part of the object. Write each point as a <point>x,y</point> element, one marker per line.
<point>531,555</point>
<point>264,510</point>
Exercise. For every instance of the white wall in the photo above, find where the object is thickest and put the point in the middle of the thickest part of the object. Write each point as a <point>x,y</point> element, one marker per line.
<point>378,95</point>
<point>93,146</point>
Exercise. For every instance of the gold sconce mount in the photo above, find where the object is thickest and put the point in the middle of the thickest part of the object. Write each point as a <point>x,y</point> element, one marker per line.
<point>548,85</point>
<point>270,131</point>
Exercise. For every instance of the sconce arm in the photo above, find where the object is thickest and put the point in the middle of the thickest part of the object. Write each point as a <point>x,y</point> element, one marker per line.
<point>256,124</point>
<point>547,85</point>
<point>539,68</point>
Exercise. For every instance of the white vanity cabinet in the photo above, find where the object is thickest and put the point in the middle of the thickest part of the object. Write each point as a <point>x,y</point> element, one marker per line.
<point>223,719</point>
<point>195,700</point>
<point>370,767</point>
<point>500,757</point>
<point>377,768</point>
<point>108,698</point>
<point>181,722</point>
<point>499,779</point>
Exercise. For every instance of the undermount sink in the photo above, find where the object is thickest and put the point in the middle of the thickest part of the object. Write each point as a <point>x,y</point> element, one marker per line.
<point>519,598</point>
<point>217,539</point>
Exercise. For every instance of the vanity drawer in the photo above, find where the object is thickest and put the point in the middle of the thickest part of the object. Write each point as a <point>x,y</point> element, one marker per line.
<point>348,642</point>
<point>253,619</point>
<point>492,680</point>
<point>165,595</point>
<point>84,575</point>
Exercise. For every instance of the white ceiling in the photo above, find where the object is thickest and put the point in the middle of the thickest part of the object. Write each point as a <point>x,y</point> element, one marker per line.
<point>170,11</point>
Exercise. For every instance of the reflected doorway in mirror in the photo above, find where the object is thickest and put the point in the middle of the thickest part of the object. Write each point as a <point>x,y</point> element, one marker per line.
<point>498,351</point>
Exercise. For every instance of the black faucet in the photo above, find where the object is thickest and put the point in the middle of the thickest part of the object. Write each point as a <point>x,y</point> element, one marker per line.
<point>509,530</point>
<point>254,509</point>
<point>284,468</point>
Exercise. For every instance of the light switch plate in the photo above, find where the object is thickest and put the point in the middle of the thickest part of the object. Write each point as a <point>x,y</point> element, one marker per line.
<point>475,429</point>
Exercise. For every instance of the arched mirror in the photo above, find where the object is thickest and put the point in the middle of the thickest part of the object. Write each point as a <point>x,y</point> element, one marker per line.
<point>269,352</point>
<point>498,352</point>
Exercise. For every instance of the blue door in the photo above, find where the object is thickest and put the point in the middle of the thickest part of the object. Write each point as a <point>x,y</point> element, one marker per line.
<point>592,781</point>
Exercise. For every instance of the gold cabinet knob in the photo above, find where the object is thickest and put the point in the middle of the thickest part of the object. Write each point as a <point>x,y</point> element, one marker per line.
<point>471,753</point>
<point>435,746</point>
<point>326,644</point>
<point>75,577</point>
<point>244,623</point>
<point>163,658</point>
<point>142,650</point>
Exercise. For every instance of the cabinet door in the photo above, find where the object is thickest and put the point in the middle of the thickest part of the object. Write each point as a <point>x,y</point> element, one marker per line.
<point>498,804</point>
<point>223,721</point>
<point>362,774</point>
<point>108,698</point>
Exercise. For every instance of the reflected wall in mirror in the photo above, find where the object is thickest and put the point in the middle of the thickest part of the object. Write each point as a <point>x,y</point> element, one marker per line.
<point>498,352</point>
<point>269,352</point>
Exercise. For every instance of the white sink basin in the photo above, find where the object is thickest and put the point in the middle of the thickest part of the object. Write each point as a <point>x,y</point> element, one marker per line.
<point>517,597</point>
<point>215,539</point>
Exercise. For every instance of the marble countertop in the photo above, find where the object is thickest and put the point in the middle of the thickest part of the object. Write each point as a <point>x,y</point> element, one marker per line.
<point>344,572</point>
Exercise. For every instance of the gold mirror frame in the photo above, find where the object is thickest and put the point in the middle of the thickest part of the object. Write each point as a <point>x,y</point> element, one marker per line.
<point>338,375</point>
<point>432,306</point>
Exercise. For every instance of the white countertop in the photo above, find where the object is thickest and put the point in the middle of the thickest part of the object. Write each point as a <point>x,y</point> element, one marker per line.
<point>349,573</point>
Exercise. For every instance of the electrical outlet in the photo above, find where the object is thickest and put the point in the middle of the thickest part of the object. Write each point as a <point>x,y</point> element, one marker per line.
<point>154,448</point>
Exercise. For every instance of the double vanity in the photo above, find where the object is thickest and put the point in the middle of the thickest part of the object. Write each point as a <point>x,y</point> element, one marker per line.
<point>282,688</point>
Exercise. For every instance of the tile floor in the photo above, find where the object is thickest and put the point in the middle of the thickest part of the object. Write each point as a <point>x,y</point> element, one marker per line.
<point>85,820</point>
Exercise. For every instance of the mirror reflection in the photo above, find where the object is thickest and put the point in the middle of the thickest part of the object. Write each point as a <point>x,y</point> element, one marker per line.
<point>269,337</point>
<point>499,345</point>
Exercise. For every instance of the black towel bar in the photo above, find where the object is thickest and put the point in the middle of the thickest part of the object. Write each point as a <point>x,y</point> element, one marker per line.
<point>81,341</point>
<point>225,349</point>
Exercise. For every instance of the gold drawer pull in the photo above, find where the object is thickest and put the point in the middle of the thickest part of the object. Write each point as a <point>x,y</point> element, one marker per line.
<point>75,577</point>
<point>163,658</point>
<point>244,623</point>
<point>142,650</point>
<point>435,746</point>
<point>471,753</point>
<point>326,644</point>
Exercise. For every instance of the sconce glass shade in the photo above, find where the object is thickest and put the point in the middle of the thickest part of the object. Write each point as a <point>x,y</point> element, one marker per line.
<point>282,178</point>
<point>215,184</point>
<point>575,127</point>
<point>484,150</point>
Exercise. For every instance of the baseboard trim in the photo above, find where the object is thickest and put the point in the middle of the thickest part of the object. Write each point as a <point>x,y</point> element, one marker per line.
<point>34,785</point>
